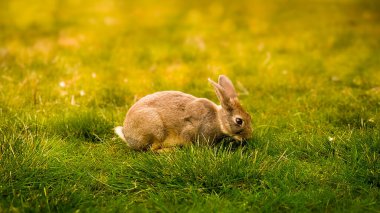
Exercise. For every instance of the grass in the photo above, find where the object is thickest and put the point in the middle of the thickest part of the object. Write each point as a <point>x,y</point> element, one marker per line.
<point>307,72</point>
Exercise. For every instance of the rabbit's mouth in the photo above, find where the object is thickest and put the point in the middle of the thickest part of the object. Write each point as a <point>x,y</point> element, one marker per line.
<point>238,138</point>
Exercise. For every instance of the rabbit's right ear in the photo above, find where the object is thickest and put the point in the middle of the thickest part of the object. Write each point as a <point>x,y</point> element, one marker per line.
<point>228,87</point>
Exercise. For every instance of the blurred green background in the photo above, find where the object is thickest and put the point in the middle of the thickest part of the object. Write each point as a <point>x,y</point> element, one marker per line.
<point>307,71</point>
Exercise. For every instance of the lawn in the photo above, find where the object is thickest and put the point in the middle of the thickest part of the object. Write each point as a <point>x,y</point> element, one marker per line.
<point>307,71</point>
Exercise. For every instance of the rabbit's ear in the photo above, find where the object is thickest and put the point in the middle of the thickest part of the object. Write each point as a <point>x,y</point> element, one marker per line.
<point>218,90</point>
<point>227,86</point>
<point>224,99</point>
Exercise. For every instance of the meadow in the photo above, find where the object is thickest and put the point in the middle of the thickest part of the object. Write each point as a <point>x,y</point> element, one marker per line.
<point>307,71</point>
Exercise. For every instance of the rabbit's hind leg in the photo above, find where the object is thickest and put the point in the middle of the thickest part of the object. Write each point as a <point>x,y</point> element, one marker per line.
<point>144,129</point>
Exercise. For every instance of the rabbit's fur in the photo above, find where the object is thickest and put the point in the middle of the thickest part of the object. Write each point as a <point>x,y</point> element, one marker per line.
<point>167,119</point>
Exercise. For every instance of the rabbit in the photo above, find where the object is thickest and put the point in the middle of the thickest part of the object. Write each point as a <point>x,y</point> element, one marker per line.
<point>164,120</point>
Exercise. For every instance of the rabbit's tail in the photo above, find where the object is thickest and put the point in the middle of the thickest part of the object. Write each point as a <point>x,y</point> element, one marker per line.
<point>119,132</point>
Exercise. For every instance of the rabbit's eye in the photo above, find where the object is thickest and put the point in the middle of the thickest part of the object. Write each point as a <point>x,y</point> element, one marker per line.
<point>239,121</point>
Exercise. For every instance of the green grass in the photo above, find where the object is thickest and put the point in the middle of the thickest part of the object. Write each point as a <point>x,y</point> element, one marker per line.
<point>309,74</point>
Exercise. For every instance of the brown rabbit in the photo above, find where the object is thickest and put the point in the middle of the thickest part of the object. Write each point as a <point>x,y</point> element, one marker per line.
<point>167,119</point>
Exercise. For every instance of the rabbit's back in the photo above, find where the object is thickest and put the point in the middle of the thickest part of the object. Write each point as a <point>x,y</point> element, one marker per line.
<point>165,101</point>
<point>175,109</point>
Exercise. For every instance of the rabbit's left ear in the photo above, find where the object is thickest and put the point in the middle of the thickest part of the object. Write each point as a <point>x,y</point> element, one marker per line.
<point>227,86</point>
<point>220,93</point>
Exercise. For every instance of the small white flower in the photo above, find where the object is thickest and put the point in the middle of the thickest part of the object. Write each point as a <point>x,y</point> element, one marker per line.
<point>371,120</point>
<point>82,93</point>
<point>62,84</point>
<point>331,138</point>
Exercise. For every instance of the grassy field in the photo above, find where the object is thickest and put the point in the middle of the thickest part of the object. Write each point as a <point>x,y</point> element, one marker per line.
<point>309,74</point>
